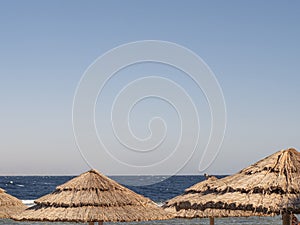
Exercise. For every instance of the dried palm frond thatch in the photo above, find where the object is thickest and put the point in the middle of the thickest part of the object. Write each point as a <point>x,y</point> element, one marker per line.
<point>93,197</point>
<point>9,205</point>
<point>269,187</point>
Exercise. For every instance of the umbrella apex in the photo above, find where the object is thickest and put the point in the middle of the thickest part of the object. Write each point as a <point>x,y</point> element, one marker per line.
<point>268,187</point>
<point>92,197</point>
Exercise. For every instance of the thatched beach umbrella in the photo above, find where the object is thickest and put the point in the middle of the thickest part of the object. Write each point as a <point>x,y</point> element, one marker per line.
<point>267,188</point>
<point>9,205</point>
<point>93,197</point>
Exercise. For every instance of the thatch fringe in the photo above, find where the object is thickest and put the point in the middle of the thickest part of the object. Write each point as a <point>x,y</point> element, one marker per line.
<point>9,205</point>
<point>93,197</point>
<point>270,186</point>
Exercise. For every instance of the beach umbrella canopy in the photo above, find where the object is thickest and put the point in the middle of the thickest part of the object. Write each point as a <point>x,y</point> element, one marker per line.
<point>93,197</point>
<point>9,205</point>
<point>269,187</point>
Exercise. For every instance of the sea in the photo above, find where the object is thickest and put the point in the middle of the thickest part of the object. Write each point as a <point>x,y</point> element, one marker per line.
<point>29,188</point>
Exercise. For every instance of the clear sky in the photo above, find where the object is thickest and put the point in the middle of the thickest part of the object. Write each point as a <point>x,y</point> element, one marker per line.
<point>252,47</point>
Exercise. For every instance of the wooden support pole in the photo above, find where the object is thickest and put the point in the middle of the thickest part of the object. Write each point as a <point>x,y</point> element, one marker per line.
<point>91,223</point>
<point>211,220</point>
<point>286,219</point>
<point>100,223</point>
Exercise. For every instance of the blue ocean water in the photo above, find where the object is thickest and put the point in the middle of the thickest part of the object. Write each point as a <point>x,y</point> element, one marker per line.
<point>32,187</point>
<point>28,188</point>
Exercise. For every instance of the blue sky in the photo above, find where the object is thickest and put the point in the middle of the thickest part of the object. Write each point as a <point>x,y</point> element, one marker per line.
<point>45,46</point>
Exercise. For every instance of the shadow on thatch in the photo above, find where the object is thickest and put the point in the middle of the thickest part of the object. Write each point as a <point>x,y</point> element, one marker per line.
<point>267,188</point>
<point>9,205</point>
<point>93,197</point>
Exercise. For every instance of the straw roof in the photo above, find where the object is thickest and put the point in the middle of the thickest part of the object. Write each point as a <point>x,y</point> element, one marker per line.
<point>9,205</point>
<point>93,197</point>
<point>269,187</point>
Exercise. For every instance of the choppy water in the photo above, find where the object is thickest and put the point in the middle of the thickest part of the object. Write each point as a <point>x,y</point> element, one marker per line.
<point>29,188</point>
